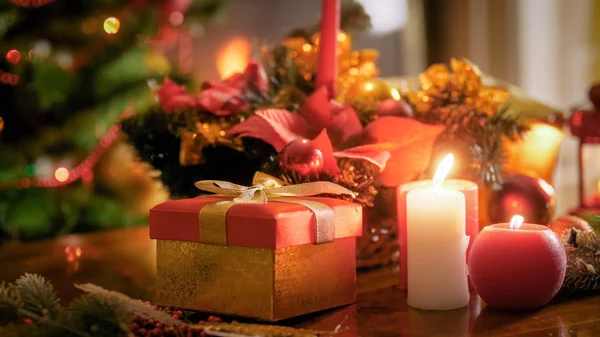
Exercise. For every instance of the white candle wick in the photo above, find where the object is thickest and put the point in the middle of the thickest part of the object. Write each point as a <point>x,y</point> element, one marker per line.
<point>516,222</point>
<point>442,171</point>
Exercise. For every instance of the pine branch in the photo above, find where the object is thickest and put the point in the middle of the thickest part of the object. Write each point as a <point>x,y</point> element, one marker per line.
<point>508,122</point>
<point>128,304</point>
<point>10,303</point>
<point>38,296</point>
<point>7,19</point>
<point>102,315</point>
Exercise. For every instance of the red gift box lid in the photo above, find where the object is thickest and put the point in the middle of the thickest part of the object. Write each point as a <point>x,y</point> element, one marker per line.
<point>272,225</point>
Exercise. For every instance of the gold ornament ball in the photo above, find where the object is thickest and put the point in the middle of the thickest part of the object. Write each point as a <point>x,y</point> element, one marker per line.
<point>112,25</point>
<point>1,124</point>
<point>373,90</point>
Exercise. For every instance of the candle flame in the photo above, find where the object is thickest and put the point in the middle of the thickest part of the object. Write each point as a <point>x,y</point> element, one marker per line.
<point>443,170</point>
<point>233,57</point>
<point>395,94</point>
<point>516,222</point>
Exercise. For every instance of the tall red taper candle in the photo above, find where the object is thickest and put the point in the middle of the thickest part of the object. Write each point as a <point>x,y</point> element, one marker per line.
<point>327,69</point>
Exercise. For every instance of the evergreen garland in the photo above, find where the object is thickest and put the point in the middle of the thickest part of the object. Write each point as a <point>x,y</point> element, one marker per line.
<point>29,307</point>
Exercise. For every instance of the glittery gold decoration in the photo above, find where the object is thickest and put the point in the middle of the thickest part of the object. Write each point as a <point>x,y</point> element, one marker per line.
<point>289,98</point>
<point>354,66</point>
<point>210,133</point>
<point>253,282</point>
<point>462,84</point>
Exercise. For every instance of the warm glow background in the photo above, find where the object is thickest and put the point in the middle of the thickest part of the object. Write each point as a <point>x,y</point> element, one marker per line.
<point>233,56</point>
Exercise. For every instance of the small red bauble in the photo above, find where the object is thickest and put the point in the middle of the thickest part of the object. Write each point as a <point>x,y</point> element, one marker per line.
<point>394,108</point>
<point>529,196</point>
<point>13,56</point>
<point>517,269</point>
<point>301,157</point>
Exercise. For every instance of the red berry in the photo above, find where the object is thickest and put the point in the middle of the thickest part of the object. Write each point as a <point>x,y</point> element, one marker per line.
<point>203,334</point>
<point>201,322</point>
<point>142,331</point>
<point>134,326</point>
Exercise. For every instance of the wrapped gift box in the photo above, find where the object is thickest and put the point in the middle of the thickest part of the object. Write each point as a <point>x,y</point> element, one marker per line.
<point>269,268</point>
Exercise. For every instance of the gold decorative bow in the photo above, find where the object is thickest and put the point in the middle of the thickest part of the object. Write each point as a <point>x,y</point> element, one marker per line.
<point>212,217</point>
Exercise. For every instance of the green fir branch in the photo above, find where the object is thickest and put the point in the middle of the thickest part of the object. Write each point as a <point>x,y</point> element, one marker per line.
<point>8,18</point>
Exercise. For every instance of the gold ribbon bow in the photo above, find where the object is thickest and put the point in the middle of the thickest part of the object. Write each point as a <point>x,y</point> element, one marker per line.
<point>212,217</point>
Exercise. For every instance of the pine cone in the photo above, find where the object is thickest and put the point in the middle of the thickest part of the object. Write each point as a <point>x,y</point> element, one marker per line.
<point>358,176</point>
<point>583,262</point>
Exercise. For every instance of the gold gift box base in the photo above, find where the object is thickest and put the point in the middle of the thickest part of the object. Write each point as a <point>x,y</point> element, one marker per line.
<point>259,283</point>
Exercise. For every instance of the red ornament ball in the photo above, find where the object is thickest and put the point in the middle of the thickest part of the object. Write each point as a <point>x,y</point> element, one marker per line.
<point>394,108</point>
<point>301,157</point>
<point>529,196</point>
<point>13,56</point>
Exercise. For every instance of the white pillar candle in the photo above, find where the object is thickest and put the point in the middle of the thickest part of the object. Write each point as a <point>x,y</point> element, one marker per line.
<point>436,246</point>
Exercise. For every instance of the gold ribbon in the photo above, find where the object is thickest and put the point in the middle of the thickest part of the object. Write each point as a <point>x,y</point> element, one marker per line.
<point>212,217</point>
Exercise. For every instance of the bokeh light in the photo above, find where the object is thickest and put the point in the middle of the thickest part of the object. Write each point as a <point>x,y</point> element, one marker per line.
<point>61,174</point>
<point>112,25</point>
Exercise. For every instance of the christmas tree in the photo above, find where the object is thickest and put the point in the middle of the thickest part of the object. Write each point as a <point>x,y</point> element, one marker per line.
<point>69,70</point>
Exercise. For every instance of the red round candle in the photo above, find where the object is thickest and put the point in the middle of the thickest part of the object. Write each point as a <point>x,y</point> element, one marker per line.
<point>517,269</point>
<point>468,188</point>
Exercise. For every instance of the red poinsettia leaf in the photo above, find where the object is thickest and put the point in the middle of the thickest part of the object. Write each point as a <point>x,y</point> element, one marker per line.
<point>237,81</point>
<point>344,124</point>
<point>256,75</point>
<point>275,126</point>
<point>178,103</point>
<point>323,143</point>
<point>377,154</point>
<point>169,89</point>
<point>215,99</point>
<point>415,145</point>
<point>317,109</point>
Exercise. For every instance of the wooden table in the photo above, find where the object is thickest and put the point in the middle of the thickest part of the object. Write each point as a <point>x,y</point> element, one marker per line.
<point>123,260</point>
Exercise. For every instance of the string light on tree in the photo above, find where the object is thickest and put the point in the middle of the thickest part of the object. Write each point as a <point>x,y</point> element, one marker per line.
<point>64,59</point>
<point>61,174</point>
<point>176,18</point>
<point>1,124</point>
<point>42,48</point>
<point>112,25</point>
